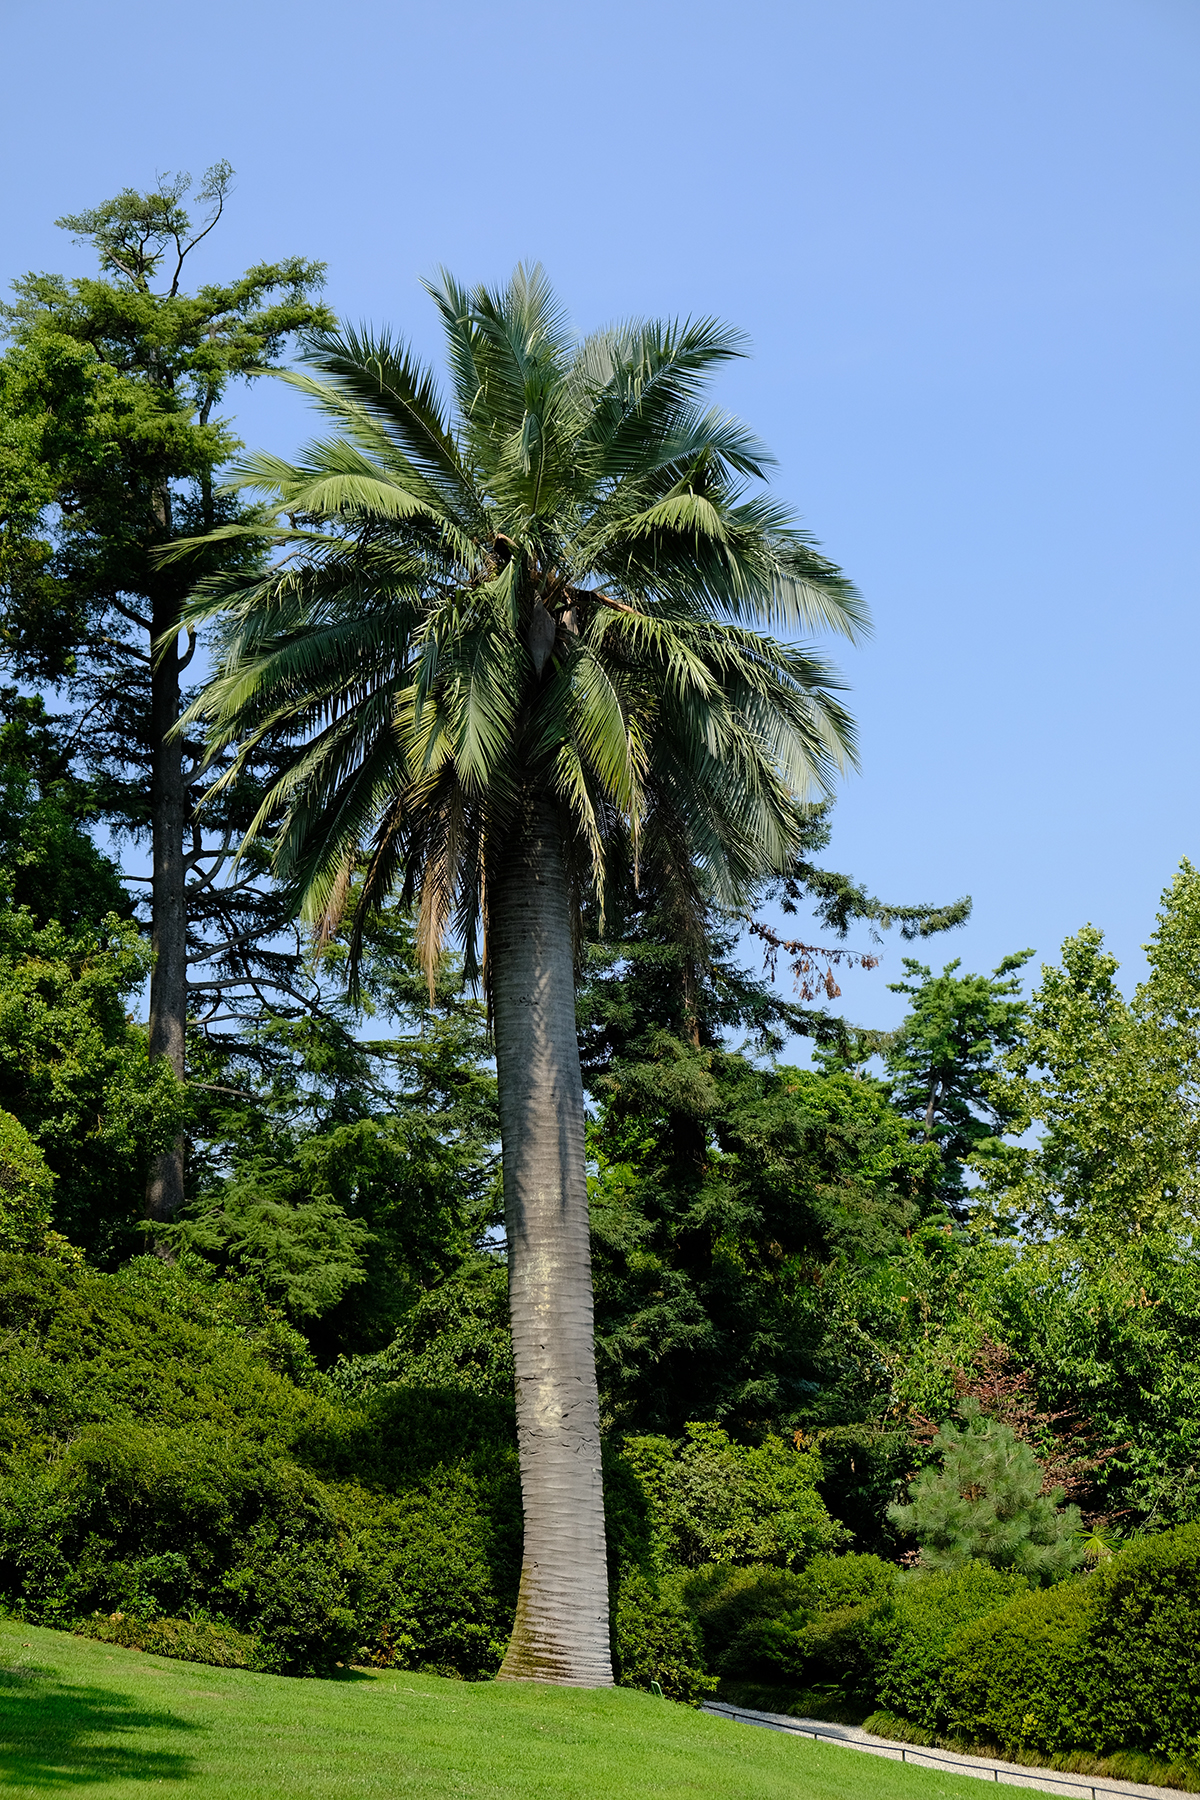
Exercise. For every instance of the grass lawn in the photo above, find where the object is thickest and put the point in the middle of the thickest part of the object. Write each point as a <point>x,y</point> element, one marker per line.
<point>82,1715</point>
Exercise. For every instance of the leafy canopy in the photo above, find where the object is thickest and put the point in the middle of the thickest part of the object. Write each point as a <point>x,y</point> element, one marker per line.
<point>943,1059</point>
<point>111,436</point>
<point>75,1072</point>
<point>1114,1085</point>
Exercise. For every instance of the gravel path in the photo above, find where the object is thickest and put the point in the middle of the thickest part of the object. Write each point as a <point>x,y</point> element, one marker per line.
<point>1059,1782</point>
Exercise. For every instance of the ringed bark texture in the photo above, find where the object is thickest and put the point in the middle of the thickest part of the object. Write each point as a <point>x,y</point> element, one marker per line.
<point>561,1633</point>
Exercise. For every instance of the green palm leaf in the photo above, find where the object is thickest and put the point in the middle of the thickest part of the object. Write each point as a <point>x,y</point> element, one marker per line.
<point>584,477</point>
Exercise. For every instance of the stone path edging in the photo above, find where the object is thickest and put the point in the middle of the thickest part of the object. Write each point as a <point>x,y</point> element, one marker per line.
<point>1063,1783</point>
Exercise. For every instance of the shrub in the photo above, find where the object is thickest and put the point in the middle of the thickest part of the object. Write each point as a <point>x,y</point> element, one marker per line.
<point>725,1600</point>
<point>199,1641</point>
<point>1106,1663</point>
<point>26,1188</point>
<point>656,1642</point>
<point>152,1523</point>
<point>712,1500</point>
<point>833,1656</point>
<point>830,1582</point>
<point>1145,1624</point>
<point>930,1609</point>
<point>848,1634</point>
<point>1018,1677</point>
<point>823,1632</point>
<point>1101,1664</point>
<point>153,1463</point>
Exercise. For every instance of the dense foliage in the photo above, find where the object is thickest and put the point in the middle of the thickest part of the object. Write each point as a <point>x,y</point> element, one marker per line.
<point>167,1452</point>
<point>111,447</point>
<point>898,1343</point>
<point>1098,1665</point>
<point>988,1503</point>
<point>174,1472</point>
<point>76,1072</point>
<point>26,1188</point>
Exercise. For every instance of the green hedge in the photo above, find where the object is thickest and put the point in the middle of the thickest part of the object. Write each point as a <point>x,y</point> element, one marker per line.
<point>1146,1621</point>
<point>1019,1677</point>
<point>820,1634</point>
<point>169,1453</point>
<point>930,1610</point>
<point>1097,1665</point>
<point>849,1634</point>
<point>1101,1664</point>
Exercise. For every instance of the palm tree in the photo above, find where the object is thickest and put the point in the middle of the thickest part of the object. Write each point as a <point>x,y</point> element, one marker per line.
<point>515,639</point>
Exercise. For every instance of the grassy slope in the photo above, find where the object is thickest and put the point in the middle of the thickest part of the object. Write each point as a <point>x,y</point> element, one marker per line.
<point>77,1714</point>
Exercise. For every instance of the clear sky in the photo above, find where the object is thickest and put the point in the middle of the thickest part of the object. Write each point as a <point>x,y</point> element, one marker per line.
<point>962,237</point>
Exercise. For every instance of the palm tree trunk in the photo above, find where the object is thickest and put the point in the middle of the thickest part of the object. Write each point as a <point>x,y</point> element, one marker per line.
<point>561,1632</point>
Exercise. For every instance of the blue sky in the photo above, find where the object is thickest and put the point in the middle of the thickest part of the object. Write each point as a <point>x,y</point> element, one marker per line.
<point>962,237</point>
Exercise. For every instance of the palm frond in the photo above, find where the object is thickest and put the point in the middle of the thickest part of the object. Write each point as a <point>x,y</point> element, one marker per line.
<point>383,647</point>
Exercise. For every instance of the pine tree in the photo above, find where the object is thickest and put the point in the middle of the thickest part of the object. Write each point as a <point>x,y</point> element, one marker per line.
<point>986,1504</point>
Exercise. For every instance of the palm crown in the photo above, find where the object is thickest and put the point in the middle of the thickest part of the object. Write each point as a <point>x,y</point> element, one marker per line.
<point>560,584</point>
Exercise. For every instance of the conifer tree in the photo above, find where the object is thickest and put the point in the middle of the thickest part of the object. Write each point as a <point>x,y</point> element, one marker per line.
<point>722,1181</point>
<point>986,1504</point>
<point>944,1059</point>
<point>110,444</point>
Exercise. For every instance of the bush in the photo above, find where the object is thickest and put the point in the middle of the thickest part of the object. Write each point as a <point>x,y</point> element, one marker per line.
<point>154,1463</point>
<point>1106,1663</point>
<point>712,1500</point>
<point>821,1634</point>
<point>724,1601</point>
<point>26,1188</point>
<point>849,1634</point>
<point>1146,1622</point>
<point>152,1523</point>
<point>1018,1677</point>
<point>831,1582</point>
<point>832,1658</point>
<point>656,1642</point>
<point>192,1640</point>
<point>930,1609</point>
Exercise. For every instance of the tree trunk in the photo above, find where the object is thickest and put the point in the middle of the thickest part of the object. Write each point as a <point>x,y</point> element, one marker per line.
<point>168,932</point>
<point>561,1632</point>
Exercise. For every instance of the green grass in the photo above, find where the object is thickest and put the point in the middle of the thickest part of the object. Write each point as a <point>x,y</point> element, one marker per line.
<point>82,1715</point>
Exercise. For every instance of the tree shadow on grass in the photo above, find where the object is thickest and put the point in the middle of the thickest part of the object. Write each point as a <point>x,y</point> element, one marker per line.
<point>54,1735</point>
